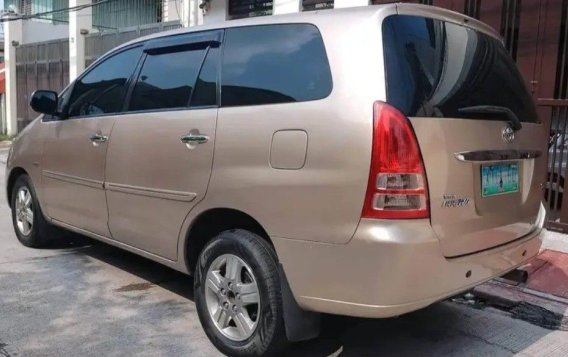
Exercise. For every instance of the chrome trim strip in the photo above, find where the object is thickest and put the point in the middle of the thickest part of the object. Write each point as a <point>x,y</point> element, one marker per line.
<point>151,192</point>
<point>73,179</point>
<point>497,155</point>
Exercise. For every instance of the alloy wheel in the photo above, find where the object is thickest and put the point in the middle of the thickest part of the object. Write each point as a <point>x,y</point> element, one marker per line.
<point>232,297</point>
<point>24,211</point>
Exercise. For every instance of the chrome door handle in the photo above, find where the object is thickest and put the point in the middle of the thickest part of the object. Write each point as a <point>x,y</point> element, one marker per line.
<point>98,138</point>
<point>194,139</point>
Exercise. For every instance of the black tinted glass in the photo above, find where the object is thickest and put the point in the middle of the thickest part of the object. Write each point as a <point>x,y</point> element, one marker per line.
<point>434,68</point>
<point>274,64</point>
<point>62,100</point>
<point>166,80</point>
<point>205,93</point>
<point>102,90</point>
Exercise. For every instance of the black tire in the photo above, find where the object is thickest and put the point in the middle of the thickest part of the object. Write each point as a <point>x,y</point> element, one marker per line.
<point>40,230</point>
<point>269,336</point>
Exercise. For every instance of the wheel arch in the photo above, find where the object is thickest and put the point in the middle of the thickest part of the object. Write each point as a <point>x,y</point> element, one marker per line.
<point>12,177</point>
<point>210,223</point>
<point>300,325</point>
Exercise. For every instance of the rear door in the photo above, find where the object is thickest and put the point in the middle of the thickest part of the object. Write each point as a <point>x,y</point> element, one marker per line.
<point>161,150</point>
<point>457,85</point>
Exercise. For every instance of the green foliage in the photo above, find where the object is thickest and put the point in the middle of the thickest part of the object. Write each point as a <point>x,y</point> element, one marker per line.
<point>4,137</point>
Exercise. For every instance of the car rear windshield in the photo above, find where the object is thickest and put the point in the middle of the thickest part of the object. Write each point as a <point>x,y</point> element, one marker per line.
<point>436,69</point>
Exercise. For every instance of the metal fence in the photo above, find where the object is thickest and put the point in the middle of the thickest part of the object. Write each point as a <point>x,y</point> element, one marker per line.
<point>557,160</point>
<point>97,44</point>
<point>42,65</point>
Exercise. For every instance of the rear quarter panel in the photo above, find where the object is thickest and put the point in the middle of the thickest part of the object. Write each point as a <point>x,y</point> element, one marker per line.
<point>322,201</point>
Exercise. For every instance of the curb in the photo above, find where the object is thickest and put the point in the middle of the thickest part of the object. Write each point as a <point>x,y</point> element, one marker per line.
<point>539,309</point>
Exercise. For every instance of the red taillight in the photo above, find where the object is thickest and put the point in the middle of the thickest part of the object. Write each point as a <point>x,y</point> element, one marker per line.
<point>397,186</point>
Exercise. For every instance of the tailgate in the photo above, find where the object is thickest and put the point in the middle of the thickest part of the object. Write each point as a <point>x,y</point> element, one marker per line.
<point>483,148</point>
<point>465,218</point>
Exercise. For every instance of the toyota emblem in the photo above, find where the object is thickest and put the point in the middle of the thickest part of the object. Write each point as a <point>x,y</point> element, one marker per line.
<point>508,134</point>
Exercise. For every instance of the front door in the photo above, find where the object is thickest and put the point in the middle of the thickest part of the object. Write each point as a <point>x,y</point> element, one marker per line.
<point>76,143</point>
<point>73,172</point>
<point>160,154</point>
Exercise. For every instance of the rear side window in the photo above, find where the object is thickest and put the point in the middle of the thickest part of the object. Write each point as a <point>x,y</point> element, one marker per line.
<point>435,68</point>
<point>205,93</point>
<point>166,80</point>
<point>274,64</point>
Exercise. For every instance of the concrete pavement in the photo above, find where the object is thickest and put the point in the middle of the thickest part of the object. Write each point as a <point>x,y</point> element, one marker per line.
<point>542,298</point>
<point>555,241</point>
<point>89,299</point>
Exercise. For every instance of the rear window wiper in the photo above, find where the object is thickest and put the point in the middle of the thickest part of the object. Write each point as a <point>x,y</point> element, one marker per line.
<point>494,109</point>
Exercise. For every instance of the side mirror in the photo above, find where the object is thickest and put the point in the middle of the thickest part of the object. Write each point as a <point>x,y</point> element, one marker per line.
<point>44,101</point>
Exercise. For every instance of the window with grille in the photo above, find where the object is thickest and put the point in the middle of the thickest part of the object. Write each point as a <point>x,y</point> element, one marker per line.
<point>311,5</point>
<point>52,10</point>
<point>125,13</point>
<point>239,9</point>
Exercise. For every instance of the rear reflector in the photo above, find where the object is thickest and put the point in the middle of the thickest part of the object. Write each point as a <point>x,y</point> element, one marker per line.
<point>397,186</point>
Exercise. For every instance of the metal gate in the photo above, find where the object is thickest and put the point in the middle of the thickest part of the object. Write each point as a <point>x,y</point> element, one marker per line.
<point>550,83</point>
<point>97,44</point>
<point>42,65</point>
<point>557,158</point>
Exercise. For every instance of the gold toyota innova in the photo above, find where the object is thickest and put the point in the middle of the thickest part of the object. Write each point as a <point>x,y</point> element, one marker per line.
<point>364,162</point>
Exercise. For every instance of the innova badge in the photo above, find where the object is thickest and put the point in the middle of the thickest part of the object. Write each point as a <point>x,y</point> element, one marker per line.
<point>452,201</point>
<point>508,134</point>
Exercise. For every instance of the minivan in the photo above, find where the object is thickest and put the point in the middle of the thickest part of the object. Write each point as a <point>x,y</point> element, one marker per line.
<point>364,162</point>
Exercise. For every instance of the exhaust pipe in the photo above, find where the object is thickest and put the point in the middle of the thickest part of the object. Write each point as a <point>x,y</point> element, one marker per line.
<point>517,276</point>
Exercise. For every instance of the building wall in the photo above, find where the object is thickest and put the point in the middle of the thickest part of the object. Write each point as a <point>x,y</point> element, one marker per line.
<point>39,31</point>
<point>172,10</point>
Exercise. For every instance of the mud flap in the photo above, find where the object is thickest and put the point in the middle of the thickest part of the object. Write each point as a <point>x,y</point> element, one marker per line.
<point>300,325</point>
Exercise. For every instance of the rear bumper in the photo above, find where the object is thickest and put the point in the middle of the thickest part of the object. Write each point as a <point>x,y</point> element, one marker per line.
<point>389,269</point>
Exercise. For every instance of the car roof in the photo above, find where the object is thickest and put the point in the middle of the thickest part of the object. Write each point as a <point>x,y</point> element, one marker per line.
<point>313,17</point>
<point>341,17</point>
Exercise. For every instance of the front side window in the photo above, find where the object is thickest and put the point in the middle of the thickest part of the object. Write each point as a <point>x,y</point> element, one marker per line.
<point>167,80</point>
<point>274,64</point>
<point>103,89</point>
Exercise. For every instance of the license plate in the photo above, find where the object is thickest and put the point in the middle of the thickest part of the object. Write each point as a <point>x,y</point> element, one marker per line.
<point>499,179</point>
